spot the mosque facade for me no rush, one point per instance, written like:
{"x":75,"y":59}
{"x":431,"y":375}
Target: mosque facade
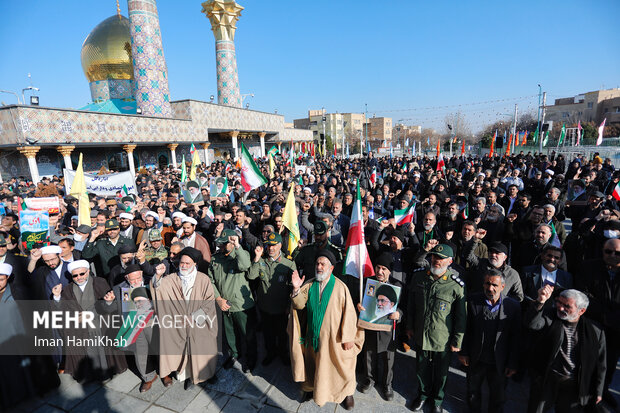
{"x":131,"y":121}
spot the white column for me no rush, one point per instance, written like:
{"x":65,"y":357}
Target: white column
{"x":30,"y":152}
{"x":65,"y":151}
{"x":129,"y":149}
{"x":234,"y":135}
{"x":173,"y":148}
{"x":205,"y":148}
{"x":261,"y":136}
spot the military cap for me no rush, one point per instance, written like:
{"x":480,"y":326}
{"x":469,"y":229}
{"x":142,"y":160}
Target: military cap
{"x":442,"y":251}
{"x":225,"y":235}
{"x":111,"y":224}
{"x":155,"y":235}
{"x":273,"y":239}
{"x":84,"y":229}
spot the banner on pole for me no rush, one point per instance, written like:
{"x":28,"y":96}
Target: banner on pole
{"x":105,"y":185}
{"x":49,"y":204}
{"x":34,"y":226}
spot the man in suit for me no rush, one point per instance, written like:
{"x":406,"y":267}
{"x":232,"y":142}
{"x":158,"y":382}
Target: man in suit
{"x":128,"y":230}
{"x":569,"y":362}
{"x":536,"y":276}
{"x":51,"y":273}
{"x":491,"y":343}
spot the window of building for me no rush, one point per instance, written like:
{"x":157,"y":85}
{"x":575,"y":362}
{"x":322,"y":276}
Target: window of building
{"x":617,"y":109}
{"x":606,"y":110}
{"x":565,"y":114}
{"x":590,"y":105}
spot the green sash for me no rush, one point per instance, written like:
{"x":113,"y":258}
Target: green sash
{"x":317,"y":305}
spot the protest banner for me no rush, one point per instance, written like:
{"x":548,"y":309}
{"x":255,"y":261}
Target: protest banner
{"x":34,"y":227}
{"x":105,"y":185}
{"x":49,"y":204}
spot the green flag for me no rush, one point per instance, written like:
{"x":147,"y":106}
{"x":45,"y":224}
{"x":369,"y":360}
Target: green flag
{"x":301,"y":181}
{"x":536,"y":135}
{"x":125,"y":190}
{"x":183,"y":170}
{"x":562,"y":135}
{"x":546,"y":139}
{"x":273,"y":151}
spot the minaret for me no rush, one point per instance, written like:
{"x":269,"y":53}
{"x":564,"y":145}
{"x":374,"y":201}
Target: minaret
{"x":149,"y":66}
{"x":223,"y":15}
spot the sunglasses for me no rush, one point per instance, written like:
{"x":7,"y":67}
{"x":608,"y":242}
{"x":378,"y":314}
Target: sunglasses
{"x":612,"y":252}
{"x":79,"y":274}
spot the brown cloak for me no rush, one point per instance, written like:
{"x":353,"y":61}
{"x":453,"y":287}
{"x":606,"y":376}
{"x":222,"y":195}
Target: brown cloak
{"x":169,"y":301}
{"x":329,"y":373}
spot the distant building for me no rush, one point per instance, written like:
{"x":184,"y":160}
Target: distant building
{"x":335,"y":125}
{"x":587,"y":107}
{"x":378,"y":130}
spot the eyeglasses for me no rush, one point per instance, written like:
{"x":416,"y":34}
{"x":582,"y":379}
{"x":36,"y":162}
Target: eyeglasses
{"x":612,"y":252}
{"x":383,"y":300}
{"x":79,"y":274}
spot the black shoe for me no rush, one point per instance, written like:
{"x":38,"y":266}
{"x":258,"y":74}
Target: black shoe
{"x":366,"y":386}
{"x":437,"y":409}
{"x":417,"y":404}
{"x":348,"y":403}
{"x":212,"y":380}
{"x":307,"y":396}
{"x":188,"y":384}
{"x":388,"y":393}
{"x":610,"y":399}
{"x":268,"y":359}
{"x":228,"y":364}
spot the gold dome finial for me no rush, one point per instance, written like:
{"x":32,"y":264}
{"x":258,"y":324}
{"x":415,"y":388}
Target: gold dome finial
{"x":118,"y":10}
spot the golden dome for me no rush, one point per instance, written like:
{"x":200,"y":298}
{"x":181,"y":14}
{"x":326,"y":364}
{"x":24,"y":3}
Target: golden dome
{"x":106,"y":52}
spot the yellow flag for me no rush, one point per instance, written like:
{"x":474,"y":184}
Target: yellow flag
{"x":272,"y":166}
{"x":78,"y":190}
{"x":289,"y":220}
{"x":195,"y":163}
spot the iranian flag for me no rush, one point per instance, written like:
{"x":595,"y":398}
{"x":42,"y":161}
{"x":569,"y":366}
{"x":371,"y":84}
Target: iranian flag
{"x":440,"y":163}
{"x":373,"y":176}
{"x":210,"y":213}
{"x":616,"y":193}
{"x":357,"y":261}
{"x":404,"y":216}
{"x":251,"y":177}
{"x":579,"y":128}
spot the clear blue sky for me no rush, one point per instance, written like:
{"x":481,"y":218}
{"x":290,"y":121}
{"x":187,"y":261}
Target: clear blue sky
{"x":300,"y":55}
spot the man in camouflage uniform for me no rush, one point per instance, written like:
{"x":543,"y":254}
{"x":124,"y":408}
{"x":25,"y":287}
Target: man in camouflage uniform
{"x":273,"y":294}
{"x":157,"y":248}
{"x":437,"y":320}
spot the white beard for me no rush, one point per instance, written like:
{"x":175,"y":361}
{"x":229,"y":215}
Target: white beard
{"x":438,"y":271}
{"x":428,"y":227}
{"x":321,"y":276}
{"x":385,"y":311}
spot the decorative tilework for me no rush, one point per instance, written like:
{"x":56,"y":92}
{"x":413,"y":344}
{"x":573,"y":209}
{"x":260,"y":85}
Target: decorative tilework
{"x":111,"y":89}
{"x":149,"y":64}
{"x":227,"y":76}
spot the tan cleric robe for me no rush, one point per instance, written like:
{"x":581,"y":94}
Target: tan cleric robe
{"x":181,"y":348}
{"x":330,"y":372}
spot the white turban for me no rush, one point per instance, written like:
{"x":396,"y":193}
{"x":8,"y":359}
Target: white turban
{"x":6,"y":269}
{"x":154,"y":215}
{"x":178,"y":214}
{"x":190,"y":220}
{"x":51,"y":249}
{"x":125,"y":215}
{"x":550,"y":172}
{"x":74,"y":265}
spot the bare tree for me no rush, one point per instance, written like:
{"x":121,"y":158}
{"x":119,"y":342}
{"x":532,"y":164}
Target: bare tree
{"x":457,"y":125}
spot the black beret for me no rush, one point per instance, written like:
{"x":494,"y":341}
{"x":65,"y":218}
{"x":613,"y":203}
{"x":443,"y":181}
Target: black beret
{"x":194,"y":254}
{"x":388,"y":292}
{"x":385,"y":260}
{"x":132,"y":268}
{"x":327,"y":254}
{"x":126,"y":249}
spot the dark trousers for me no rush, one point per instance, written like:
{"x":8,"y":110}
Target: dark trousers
{"x":371,"y":365}
{"x":240,"y":327}
{"x":274,"y":333}
{"x":432,"y":371}
{"x":145,"y":362}
{"x":557,"y":392}
{"x":497,"y":387}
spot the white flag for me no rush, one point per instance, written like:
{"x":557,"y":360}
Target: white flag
{"x":600,"y":132}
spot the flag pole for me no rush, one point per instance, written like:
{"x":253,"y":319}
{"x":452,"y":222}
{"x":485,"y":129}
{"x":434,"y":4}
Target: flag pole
{"x":361,"y":245}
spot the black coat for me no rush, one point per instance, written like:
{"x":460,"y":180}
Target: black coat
{"x":604,"y":297}
{"x":592,"y":350}
{"x":507,"y":337}
{"x":532,"y":281}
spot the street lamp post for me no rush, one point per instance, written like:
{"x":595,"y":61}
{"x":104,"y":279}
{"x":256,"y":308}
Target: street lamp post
{"x":538,"y":127}
{"x":12,"y":93}
{"x":245,"y":96}
{"x":28,"y":88}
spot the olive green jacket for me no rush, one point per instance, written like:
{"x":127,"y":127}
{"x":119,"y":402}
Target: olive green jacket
{"x":274,"y":291}
{"x":437,"y":310}
{"x":228,"y":276}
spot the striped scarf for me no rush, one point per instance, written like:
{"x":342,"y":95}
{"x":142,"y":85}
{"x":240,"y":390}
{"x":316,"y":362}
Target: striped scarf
{"x":317,"y":305}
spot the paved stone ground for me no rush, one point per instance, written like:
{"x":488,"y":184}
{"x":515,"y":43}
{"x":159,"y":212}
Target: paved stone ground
{"x":268,"y":390}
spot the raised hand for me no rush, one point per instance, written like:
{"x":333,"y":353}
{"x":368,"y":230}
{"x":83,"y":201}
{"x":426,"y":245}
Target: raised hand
{"x":544,"y":293}
{"x":258,"y":252}
{"x":109,"y":297}
{"x":296,"y":281}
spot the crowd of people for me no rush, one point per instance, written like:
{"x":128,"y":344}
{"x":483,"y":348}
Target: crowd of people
{"x":490,"y":277}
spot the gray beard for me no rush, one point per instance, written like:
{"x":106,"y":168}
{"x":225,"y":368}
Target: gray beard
{"x":438,"y":271}
{"x":321,"y":276}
